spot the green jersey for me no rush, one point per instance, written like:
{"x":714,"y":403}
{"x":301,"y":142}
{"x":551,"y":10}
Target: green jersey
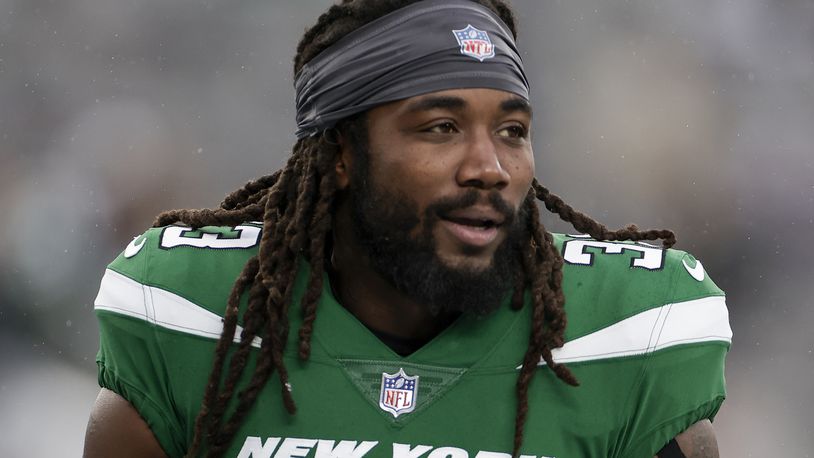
{"x":647,"y":335}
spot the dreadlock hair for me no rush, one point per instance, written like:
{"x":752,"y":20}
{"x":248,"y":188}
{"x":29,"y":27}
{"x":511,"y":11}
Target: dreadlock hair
{"x":295,"y":205}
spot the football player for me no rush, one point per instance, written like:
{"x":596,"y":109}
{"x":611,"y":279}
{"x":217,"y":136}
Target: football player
{"x":392,"y":292}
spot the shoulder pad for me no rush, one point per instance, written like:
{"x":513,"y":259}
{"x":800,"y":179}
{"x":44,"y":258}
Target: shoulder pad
{"x":605,"y":282}
{"x":200,"y":265}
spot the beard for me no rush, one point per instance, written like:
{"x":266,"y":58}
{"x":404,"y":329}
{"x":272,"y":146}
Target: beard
{"x":401,"y":247}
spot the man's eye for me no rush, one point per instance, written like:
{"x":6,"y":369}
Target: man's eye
{"x":443,"y":128}
{"x":513,"y":132}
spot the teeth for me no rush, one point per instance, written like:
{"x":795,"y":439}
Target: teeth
{"x":482,"y":224}
{"x":476,"y":223}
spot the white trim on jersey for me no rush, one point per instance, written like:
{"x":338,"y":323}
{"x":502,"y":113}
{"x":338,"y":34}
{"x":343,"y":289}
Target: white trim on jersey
{"x":125,"y":296}
{"x":694,"y":321}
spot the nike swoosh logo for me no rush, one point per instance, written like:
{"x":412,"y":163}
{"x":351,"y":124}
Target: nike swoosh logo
{"x":133,"y":248}
{"x":696,"y":272}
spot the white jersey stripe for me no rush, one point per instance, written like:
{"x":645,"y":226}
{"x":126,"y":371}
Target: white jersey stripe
{"x":698,"y":320}
{"x":122,"y":295}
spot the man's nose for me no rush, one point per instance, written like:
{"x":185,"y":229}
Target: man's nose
{"x":480,"y":166}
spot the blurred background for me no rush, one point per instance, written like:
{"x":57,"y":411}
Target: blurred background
{"x":690,"y":114}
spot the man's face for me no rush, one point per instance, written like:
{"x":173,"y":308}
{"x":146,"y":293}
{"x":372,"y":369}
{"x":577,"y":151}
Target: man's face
{"x":437,"y":195}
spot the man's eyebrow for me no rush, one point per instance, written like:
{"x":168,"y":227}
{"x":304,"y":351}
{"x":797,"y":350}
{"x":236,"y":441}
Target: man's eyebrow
{"x":516,"y":104}
{"x":436,"y":102}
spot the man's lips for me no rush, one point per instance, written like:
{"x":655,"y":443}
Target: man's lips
{"x":479,"y":236}
{"x":475,"y":226}
{"x":476,"y":216}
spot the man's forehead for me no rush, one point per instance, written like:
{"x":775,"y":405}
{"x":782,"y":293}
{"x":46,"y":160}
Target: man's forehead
{"x":460,"y":99}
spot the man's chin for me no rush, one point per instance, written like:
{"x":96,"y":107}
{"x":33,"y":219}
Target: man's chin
{"x":465,"y":263}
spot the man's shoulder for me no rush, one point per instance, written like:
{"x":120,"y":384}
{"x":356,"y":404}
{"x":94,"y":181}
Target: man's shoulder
{"x":607,"y":282}
{"x":199,"y":265}
{"x":159,"y":308}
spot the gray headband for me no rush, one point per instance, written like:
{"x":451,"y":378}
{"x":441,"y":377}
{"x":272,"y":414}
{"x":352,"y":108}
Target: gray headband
{"x":429,"y":46}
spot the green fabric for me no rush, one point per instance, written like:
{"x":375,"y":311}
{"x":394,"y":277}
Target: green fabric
{"x":625,"y":407}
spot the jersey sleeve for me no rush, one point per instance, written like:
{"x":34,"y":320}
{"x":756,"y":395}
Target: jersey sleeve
{"x":683,"y":377}
{"x":130,"y":361}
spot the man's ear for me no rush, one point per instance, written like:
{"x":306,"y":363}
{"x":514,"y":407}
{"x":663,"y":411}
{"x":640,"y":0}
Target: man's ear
{"x":343,"y":161}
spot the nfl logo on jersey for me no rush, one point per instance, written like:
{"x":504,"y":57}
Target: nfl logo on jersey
{"x":474,"y":43}
{"x":398,"y":394}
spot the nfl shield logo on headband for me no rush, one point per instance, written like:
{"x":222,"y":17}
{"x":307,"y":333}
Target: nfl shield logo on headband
{"x":474,"y":43}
